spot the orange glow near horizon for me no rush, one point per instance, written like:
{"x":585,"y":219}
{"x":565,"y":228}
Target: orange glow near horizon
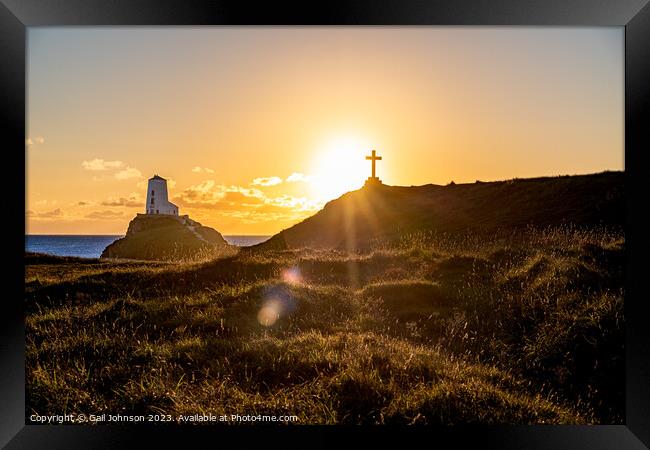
{"x":257,"y":128}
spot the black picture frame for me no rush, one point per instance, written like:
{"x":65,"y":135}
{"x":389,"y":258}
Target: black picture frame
{"x":634,"y":15}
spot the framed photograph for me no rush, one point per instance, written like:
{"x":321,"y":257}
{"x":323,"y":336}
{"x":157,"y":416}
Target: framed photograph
{"x":267,"y":221}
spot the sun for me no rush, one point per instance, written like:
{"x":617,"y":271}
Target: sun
{"x":338,"y":168}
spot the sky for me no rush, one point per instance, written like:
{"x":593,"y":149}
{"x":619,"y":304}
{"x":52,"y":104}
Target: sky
{"x":257,"y":127}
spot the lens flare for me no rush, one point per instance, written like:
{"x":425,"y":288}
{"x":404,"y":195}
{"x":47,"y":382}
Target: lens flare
{"x":270,"y":312}
{"x":292,"y":275}
{"x":277,"y":302}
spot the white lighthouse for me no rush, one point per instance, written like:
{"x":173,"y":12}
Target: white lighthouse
{"x":157,"y":201}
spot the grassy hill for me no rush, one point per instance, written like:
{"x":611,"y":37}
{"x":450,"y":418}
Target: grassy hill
{"x":522,"y":327}
{"x":164,"y":237}
{"x":359,"y":218}
{"x":483,"y":303}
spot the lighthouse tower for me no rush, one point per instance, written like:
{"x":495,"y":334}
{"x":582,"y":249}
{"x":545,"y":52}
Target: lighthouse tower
{"x":157,"y":201}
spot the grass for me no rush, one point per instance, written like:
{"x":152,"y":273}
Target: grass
{"x":517,"y":327}
{"x":169,"y":238}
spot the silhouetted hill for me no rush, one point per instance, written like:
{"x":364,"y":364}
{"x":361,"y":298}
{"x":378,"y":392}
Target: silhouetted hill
{"x":386,"y":212}
{"x":164,"y":237}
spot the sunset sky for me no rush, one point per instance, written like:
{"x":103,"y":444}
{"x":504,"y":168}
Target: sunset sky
{"x":257,"y":127}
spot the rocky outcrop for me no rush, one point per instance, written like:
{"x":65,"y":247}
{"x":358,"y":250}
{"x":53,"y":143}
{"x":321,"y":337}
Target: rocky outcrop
{"x":169,"y":238}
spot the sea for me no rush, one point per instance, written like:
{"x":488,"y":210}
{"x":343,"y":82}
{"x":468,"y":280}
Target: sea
{"x":88,"y":246}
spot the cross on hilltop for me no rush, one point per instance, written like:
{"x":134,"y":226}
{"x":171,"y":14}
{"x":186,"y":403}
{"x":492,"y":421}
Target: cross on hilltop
{"x":373,"y":180}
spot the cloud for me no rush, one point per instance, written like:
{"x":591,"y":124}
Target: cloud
{"x":99,"y":164}
{"x":133,"y":200}
{"x":29,"y":142}
{"x":237,"y":201}
{"x":246,"y":205}
{"x":54,"y":214}
{"x":256,"y":193}
{"x":205,"y":194}
{"x":266,"y":181}
{"x":294,"y":203}
{"x":198,"y":169}
{"x":127,"y":173}
{"x":105,"y":215}
{"x":297,"y":177}
{"x":209,"y":194}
